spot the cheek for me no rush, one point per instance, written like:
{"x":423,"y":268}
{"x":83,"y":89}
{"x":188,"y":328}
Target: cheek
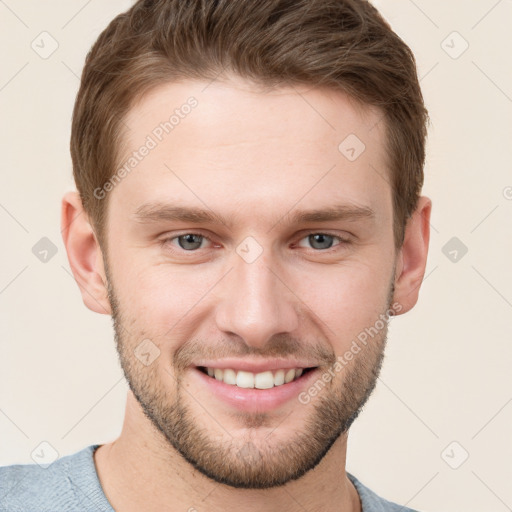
{"x":341,"y":299}
{"x":346,"y":298}
{"x":158,"y":297}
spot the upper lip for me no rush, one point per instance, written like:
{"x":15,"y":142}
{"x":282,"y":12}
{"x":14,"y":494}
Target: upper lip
{"x":255,"y":366}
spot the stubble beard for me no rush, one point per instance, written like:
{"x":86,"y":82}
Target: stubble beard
{"x":251,"y":460}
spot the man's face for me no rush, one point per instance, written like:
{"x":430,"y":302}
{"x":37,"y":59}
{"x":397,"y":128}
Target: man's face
{"x":260,"y":286}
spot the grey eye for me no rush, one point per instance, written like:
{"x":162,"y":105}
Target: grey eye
{"x":321,"y":241}
{"x":190,"y":241}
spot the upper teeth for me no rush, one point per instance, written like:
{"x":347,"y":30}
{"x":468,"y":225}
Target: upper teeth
{"x":263,"y":380}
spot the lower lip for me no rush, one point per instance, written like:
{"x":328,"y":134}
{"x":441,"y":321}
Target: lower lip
{"x":253,"y":400}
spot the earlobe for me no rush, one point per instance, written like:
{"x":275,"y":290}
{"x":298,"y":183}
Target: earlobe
{"x":84,"y":254}
{"x":412,"y":258}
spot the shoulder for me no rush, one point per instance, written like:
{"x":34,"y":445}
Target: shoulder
{"x":68,"y":484}
{"x":371,"y":502}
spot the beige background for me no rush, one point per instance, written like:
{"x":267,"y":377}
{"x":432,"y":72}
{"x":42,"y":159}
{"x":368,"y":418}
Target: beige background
{"x":446,"y":376}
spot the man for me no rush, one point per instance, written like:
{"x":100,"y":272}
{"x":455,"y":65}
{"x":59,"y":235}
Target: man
{"x":249,"y":213}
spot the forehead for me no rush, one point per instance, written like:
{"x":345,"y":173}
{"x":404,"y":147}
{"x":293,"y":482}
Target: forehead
{"x":237,"y":149}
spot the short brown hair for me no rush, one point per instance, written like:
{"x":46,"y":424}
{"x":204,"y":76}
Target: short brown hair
{"x":342,"y":44}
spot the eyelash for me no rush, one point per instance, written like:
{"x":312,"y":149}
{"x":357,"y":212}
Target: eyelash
{"x":342,"y":241}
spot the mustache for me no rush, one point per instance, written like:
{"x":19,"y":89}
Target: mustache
{"x":280,"y":346}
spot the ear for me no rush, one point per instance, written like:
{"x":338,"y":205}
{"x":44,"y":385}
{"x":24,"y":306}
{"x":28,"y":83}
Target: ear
{"x":84,"y":254}
{"x":412,"y":258}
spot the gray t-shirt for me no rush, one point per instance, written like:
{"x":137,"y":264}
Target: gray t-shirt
{"x":71,"y":484}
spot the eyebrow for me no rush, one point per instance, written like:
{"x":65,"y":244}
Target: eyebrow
{"x":161,"y":212}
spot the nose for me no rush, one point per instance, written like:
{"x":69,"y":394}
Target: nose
{"x":256,"y":303}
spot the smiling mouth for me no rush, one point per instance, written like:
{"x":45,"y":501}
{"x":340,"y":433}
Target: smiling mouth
{"x":249,"y":380}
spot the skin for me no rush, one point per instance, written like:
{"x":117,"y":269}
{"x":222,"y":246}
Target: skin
{"x":252,"y":156}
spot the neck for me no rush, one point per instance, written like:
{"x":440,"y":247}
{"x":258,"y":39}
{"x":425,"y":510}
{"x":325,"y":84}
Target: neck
{"x":142,"y":471}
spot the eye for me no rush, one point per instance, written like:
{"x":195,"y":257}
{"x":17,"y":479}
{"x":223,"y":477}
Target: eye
{"x":187,"y":241}
{"x":191,"y":242}
{"x":323,"y":241}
